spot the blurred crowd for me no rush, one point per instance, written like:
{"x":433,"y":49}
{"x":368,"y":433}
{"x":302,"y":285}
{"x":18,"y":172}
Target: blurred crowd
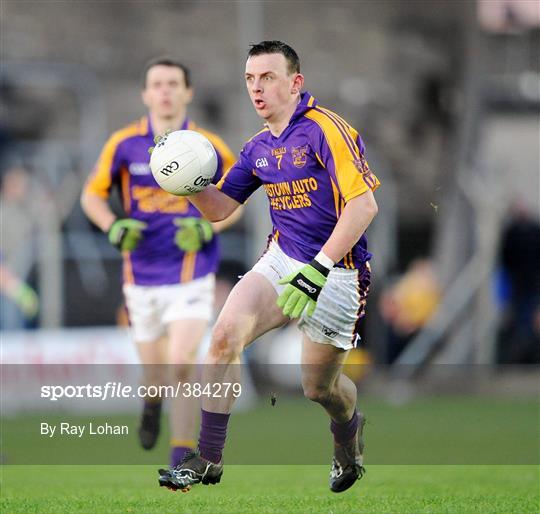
{"x":518,"y":288}
{"x":19,"y":303}
{"x":407,"y":305}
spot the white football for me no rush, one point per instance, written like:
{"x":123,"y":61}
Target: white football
{"x":183,"y":162}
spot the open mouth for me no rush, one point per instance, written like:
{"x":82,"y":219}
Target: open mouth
{"x":259,"y":104}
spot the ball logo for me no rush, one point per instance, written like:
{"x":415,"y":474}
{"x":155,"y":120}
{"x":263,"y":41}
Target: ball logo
{"x":184,"y":162}
{"x":201,"y":181}
{"x":169,"y":168}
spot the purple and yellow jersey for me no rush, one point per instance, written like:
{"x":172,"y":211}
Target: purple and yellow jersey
{"x":124,"y":163}
{"x":309,"y":173}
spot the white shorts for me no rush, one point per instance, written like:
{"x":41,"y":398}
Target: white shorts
{"x":151,"y":308}
{"x":341,"y":304}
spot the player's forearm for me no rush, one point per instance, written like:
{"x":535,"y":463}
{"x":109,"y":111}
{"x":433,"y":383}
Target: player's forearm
{"x":98,"y":211}
{"x":213,"y":204}
{"x":220,"y":226}
{"x":353,"y":222}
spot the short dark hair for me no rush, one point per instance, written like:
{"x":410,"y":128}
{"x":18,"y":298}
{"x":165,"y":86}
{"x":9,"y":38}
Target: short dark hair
{"x":165,"y":60}
{"x":277,"y":47}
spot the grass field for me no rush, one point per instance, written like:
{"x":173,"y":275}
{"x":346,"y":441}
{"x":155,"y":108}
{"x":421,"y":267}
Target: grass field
{"x":439,"y":455}
{"x":273,"y":489}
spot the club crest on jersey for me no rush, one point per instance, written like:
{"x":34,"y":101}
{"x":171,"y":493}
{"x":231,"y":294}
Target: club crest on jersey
{"x":299,"y":155}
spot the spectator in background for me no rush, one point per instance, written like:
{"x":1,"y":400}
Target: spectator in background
{"x":409,"y":304}
{"x":18,"y":220}
{"x":18,"y":228}
{"x":20,"y":293}
{"x":519,"y":331}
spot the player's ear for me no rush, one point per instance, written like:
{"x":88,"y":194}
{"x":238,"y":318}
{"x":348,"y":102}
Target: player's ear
{"x":298,"y":83}
{"x":189,"y":95}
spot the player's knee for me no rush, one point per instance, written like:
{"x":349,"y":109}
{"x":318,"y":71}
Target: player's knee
{"x":154,"y":374}
{"x":182,"y":372}
{"x":226,"y":342}
{"x":319,"y":393}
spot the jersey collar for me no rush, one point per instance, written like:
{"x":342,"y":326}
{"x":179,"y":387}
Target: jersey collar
{"x":307,"y":102}
{"x":150,"y":131}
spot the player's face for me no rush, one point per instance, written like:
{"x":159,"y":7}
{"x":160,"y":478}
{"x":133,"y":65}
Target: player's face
{"x":272,"y":89}
{"x":165,"y":93}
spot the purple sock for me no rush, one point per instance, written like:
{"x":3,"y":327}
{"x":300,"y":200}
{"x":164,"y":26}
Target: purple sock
{"x":213,"y":434}
{"x":177,"y":454}
{"x":344,"y":432}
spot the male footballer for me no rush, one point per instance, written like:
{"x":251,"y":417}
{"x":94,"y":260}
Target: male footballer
{"x":320,"y":189}
{"x":170,"y":251}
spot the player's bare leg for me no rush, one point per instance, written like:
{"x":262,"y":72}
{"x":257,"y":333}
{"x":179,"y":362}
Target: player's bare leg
{"x":324,"y":382}
{"x":152,"y":356}
{"x":249,"y":312}
{"x":185,"y":337}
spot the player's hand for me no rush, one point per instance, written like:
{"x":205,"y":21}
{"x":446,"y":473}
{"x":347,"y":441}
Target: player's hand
{"x":27,"y":300}
{"x":157,"y":139}
{"x":192,"y":233}
{"x":303,"y":288}
{"x":125,"y":233}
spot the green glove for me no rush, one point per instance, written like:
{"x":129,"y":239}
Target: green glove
{"x":27,"y":300}
{"x":304,"y":287}
{"x":125,"y":233}
{"x":192,"y":233}
{"x":157,"y":139}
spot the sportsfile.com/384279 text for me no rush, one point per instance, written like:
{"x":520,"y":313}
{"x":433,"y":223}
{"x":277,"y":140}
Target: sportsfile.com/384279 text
{"x":112,"y":390}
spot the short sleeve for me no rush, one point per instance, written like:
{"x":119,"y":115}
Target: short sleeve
{"x":341,"y":152}
{"x":240,"y":181}
{"x":106,"y":170}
